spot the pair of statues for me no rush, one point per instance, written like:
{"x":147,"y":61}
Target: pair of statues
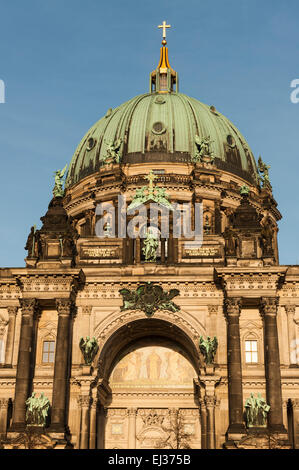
{"x":256,"y":410}
{"x":37,"y":410}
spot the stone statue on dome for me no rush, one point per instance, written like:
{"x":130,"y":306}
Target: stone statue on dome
{"x":58,"y":190}
{"x":203,"y":150}
{"x":113,"y":152}
{"x":264,"y":174}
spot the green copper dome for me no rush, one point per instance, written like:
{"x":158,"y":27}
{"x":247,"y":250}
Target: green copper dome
{"x":157,"y":127}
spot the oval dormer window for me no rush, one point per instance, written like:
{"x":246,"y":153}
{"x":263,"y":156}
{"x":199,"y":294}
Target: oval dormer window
{"x":158,"y":128}
{"x":90,"y":143}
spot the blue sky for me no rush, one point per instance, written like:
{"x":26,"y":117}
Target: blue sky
{"x":64,"y":63}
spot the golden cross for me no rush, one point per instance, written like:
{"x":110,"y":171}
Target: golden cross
{"x":151,"y":178}
{"x":164,"y":26}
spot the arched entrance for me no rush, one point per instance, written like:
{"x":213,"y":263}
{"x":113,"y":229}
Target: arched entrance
{"x":151,"y":376}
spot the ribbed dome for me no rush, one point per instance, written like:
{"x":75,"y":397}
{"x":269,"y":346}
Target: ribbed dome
{"x":162,"y":127}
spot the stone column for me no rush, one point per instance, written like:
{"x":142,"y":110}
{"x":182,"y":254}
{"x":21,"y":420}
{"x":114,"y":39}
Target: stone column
{"x":3,"y":416}
{"x":26,"y":361}
{"x":234,"y":367}
{"x":213,"y":312}
{"x":78,"y":425}
{"x":61,"y":367}
{"x":132,"y":427}
{"x":138,"y":250}
{"x":101,"y":425}
{"x":93,"y":424}
{"x":203,"y":419}
{"x":10,"y":338}
{"x":84,"y":438}
{"x":210,"y":406}
{"x":290,"y":311}
{"x":268,"y":311}
{"x":295,"y":403}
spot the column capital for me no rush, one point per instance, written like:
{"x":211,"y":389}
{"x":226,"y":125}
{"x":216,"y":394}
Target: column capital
{"x":85,"y":401}
{"x":210,"y":400}
{"x":29,"y":306}
{"x":173,"y":411}
{"x":65,"y":307}
{"x":268,"y":306}
{"x":12,"y":311}
{"x":202,"y":403}
{"x":131,"y":411}
{"x":213,"y":309}
{"x":290,"y":309}
{"x":4,"y":403}
{"x":232,"y":306}
{"x":295,"y":403}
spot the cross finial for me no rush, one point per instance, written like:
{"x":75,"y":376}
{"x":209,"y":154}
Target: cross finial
{"x":151,"y":178}
{"x":164,"y":26}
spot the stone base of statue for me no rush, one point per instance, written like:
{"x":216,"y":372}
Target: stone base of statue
{"x":66,"y":261}
{"x":209,"y":369}
{"x":32,"y":437}
{"x":231,"y":261}
{"x":234,"y":434}
{"x":258,"y":438}
{"x":87,"y":370}
{"x":30,"y":262}
{"x":268,"y":261}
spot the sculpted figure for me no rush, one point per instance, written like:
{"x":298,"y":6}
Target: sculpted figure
{"x":89,"y":349}
{"x":37,"y":410}
{"x":32,"y":244}
{"x":149,"y":249}
{"x":203,"y":149}
{"x":256,"y":410}
{"x":230,"y":242}
{"x":264,"y":173}
{"x":267,"y":239}
{"x":208,"y":348}
{"x":58,"y":190}
{"x":113,"y":152}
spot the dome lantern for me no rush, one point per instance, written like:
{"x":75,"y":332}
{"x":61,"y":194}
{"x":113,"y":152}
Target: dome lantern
{"x":164,"y":79}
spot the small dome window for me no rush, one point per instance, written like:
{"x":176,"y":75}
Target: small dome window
{"x":160,"y":100}
{"x":158,"y":128}
{"x":91,"y":143}
{"x":231,"y":141}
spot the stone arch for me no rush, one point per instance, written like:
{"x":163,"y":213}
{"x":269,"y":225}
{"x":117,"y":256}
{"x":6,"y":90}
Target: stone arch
{"x":134,"y":326}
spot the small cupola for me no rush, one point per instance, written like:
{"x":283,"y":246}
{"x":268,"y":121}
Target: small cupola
{"x":164,"y":79}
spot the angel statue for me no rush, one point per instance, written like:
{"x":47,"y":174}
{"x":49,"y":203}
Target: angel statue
{"x":208,"y":348}
{"x":58,"y":190}
{"x":264,"y":172}
{"x":203,"y":149}
{"x":113,"y":155}
{"x":89,"y":349}
{"x":151,"y":244}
